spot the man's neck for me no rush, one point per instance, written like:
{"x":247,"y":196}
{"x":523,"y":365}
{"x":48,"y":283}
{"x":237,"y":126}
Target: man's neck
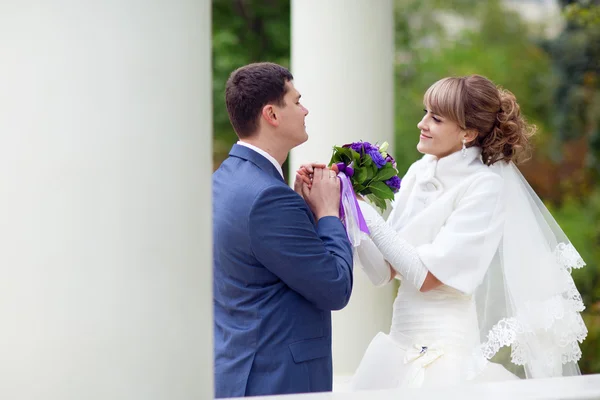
{"x":278,"y":155}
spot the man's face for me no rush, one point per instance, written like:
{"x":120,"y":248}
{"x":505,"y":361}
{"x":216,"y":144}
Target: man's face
{"x":292,"y":127}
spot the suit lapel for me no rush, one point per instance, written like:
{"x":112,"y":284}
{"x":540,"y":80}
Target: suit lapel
{"x":261,"y":162}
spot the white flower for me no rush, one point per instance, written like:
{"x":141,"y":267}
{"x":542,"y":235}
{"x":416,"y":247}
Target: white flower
{"x":383,"y":148}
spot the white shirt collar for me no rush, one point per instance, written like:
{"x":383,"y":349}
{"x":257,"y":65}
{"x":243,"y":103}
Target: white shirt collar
{"x":264,"y":154}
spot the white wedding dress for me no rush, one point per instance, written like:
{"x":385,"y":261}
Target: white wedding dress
{"x":478,"y":230}
{"x":430,"y":343}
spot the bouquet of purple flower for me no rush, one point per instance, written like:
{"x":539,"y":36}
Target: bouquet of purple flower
{"x":367,"y":170}
{"x":370,"y":169}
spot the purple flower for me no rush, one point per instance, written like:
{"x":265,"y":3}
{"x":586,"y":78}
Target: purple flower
{"x":393,"y":183}
{"x":359,"y":147}
{"x":391,"y":159}
{"x":377,"y":157}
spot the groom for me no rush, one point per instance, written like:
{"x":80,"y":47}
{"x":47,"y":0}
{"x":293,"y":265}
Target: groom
{"x":282,"y":260}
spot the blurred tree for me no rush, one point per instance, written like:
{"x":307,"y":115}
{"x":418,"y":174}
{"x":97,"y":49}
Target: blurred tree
{"x":244,"y":31}
{"x":575,"y":56}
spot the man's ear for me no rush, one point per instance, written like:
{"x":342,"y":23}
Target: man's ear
{"x":269,"y":115}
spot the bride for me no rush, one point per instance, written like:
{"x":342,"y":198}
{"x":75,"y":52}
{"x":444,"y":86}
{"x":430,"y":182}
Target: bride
{"x":484,"y":267}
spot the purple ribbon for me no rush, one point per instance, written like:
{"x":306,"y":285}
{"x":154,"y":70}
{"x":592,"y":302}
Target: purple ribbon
{"x":347,"y":169}
{"x":347,"y":192}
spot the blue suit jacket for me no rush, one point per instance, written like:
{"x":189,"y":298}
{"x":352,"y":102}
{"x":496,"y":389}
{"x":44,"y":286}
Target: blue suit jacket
{"x":277,"y":276}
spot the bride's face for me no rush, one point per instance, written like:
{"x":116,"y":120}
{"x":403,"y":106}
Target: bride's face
{"x":439,"y":135}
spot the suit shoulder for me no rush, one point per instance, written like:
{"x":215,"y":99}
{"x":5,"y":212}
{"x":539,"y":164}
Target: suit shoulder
{"x":280,"y":195}
{"x":242,"y":177}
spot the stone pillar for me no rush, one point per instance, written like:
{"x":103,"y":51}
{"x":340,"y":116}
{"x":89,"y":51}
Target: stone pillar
{"x":105,"y":223}
{"x":343,"y":64}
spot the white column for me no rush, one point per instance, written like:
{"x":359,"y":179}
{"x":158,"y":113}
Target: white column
{"x":342,"y":62}
{"x":105,"y":165}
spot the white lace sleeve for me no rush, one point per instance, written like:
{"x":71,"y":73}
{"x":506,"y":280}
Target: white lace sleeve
{"x":401,"y":255}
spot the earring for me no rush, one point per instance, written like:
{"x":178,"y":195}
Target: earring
{"x":464,"y":148}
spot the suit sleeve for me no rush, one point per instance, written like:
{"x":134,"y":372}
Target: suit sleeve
{"x":317,"y":264}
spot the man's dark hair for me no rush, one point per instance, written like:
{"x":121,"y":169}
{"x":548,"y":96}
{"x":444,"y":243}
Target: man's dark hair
{"x":249,"y":89}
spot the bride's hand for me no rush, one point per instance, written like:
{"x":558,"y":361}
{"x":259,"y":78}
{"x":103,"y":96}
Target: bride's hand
{"x":299,"y":182}
{"x":305,"y":173}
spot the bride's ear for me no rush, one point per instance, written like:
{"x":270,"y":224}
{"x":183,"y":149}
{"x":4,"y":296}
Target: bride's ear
{"x":470,"y":135}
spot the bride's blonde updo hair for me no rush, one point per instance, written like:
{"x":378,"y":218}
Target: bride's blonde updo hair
{"x":475,"y":103}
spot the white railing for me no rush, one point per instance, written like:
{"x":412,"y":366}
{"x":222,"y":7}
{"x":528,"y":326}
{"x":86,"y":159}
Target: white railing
{"x":570,"y":388}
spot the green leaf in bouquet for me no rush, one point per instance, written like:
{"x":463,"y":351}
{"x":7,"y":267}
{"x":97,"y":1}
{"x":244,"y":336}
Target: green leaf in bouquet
{"x":342,"y":150}
{"x":335,"y":158}
{"x":367,"y":162}
{"x":371,"y":171}
{"x":358,"y":188}
{"x":360,"y":174}
{"x":380,"y":203}
{"x":385,"y":173}
{"x":340,"y":154}
{"x":381,"y":190}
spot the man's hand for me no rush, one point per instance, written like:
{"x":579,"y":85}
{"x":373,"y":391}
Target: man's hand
{"x":323,"y":197}
{"x":305,"y":175}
